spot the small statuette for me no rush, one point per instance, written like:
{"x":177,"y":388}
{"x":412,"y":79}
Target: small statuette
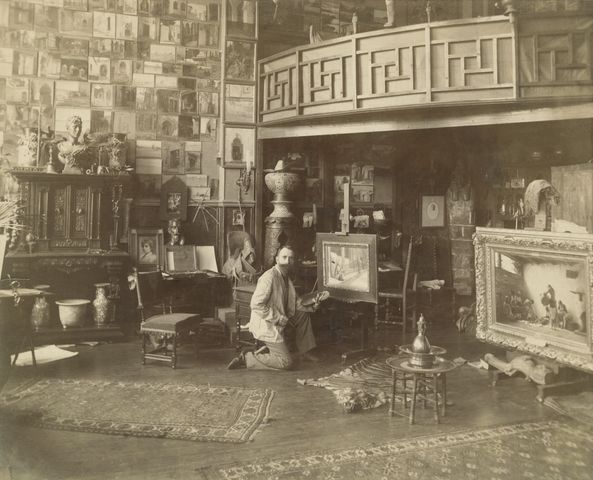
{"x":102,"y":305}
{"x":420,"y":343}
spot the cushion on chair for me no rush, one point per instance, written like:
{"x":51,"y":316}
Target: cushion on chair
{"x":168,"y":323}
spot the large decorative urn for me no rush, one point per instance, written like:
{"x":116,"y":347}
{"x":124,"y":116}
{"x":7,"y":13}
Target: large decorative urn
{"x":281,"y":223}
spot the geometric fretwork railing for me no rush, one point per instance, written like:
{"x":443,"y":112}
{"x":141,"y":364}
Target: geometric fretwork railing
{"x":454,"y":61}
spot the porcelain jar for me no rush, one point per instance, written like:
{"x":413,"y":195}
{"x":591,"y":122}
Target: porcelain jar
{"x":102,"y":305}
{"x":40,"y":314}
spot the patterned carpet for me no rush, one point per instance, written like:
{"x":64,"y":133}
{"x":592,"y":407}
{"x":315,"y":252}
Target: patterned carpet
{"x":178,"y":411}
{"x":547,"y":450}
{"x":578,"y":406}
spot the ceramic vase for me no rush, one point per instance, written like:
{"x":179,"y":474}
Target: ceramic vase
{"x":40,"y":314}
{"x":101,"y":305}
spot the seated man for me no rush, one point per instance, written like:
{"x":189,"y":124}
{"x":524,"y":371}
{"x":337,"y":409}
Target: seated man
{"x":274,"y":306}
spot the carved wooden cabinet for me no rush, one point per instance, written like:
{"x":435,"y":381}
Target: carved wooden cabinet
{"x":71,"y":219}
{"x":67,"y":212}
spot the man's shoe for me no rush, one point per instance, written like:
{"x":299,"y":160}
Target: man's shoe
{"x":237,"y":363}
{"x":310,"y":357}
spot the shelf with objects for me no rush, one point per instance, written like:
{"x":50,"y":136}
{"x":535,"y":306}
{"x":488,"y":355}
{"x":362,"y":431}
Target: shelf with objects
{"x":75,"y":223}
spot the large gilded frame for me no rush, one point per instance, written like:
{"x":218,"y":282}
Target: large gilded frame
{"x":563,"y":251}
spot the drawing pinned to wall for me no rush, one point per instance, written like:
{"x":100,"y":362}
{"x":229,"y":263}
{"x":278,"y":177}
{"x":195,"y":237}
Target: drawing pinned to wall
{"x":240,"y":60}
{"x":193,"y":157}
{"x":208,"y":128}
{"x":239,"y":145}
{"x":241,"y":15}
{"x":173,"y":158}
{"x":239,"y":103}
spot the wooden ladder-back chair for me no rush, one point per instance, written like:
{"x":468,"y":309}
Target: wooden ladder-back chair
{"x":399,"y":302}
{"x":160,"y":327}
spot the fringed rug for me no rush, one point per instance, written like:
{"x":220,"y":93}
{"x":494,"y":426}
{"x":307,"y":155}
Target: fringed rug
{"x":579,"y":406}
{"x":363,"y":385}
{"x":549,"y":450}
{"x":178,"y":411}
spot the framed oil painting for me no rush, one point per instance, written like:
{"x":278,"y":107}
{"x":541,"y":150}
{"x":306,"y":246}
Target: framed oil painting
{"x":347,"y":266}
{"x":533,"y":293}
{"x":147,"y":248}
{"x":432,"y":212}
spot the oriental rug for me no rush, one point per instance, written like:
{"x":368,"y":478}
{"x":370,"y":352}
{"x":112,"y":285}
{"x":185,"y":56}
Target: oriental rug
{"x":176,"y":411}
{"x":546,"y":450}
{"x":578,"y":406}
{"x":363,"y":385}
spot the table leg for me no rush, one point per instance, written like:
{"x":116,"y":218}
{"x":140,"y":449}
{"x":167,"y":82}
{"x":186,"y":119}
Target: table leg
{"x":424,"y":392}
{"x":413,"y":405}
{"x":405,"y":384}
{"x":393,"y":391}
{"x":435,"y":388}
{"x":444,"y":387}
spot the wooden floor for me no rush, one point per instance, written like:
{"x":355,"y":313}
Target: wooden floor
{"x":302,"y":418}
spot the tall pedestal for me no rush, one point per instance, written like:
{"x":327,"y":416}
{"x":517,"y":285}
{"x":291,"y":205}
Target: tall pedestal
{"x":281,"y":223}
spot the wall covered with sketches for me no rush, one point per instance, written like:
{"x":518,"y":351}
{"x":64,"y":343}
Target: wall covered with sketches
{"x":149,"y":69}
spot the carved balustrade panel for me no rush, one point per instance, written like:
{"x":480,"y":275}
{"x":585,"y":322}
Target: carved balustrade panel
{"x":279,"y":94}
{"x":556,"y":59}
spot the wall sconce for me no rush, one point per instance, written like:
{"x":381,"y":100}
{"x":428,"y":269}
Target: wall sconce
{"x":244,"y":180}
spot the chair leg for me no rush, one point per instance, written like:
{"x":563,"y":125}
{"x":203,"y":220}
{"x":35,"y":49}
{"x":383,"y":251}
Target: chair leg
{"x":174,"y":353}
{"x":143,"y":348}
{"x":404,"y":315}
{"x":377,"y":315}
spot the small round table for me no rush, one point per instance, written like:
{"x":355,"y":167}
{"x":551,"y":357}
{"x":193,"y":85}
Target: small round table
{"x":425,"y":382}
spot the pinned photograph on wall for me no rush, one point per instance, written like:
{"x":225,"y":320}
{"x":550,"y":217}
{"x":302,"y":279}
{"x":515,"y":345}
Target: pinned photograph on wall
{"x":146,"y":125}
{"x":208,"y":103}
{"x":46,"y":18}
{"x":362,"y":193}
{"x":189,"y":33}
{"x":76,"y":23}
{"x":239,"y":103}
{"x":239,"y":217}
{"x":197,"y":10}
{"x":148,"y":149}
{"x":100,"y":47}
{"x":172,"y":154}
{"x":73,"y":93}
{"x":188,"y":102}
{"x":104,"y":24}
{"x":102,"y":95}
{"x":125,"y":122}
{"x":162,"y":53}
{"x":143,"y":80}
{"x":99,"y":69}
{"x":49,"y":65}
{"x":239,"y":145}
{"x":125,"y":97}
{"x":75,"y":47}
{"x":76,"y":4}
{"x":196,"y":180}
{"x":149,"y":186}
{"x":74,"y":69}
{"x":193,"y":158}
{"x":208,"y":35}
{"x":167,"y":126}
{"x":24,"y":63}
{"x":199,"y":194}
{"x":130,"y":49}
{"x":127,"y":27}
{"x":121,"y":71}
{"x":170,"y":32}
{"x":17,"y":90}
{"x":145,"y":99}
{"x":240,"y":18}
{"x":189,"y":127}
{"x":143,"y":7}
{"x":118,"y":49}
{"x":168,"y":101}
{"x":164,"y":82}
{"x":130,"y":7}
{"x":208,"y":128}
{"x":240,"y":60}
{"x":42,"y":91}
{"x":362,"y":174}
{"x":101,"y":121}
{"x":147,"y":28}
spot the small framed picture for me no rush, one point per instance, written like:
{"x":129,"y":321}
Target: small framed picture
{"x":173,"y":199}
{"x":239,"y":146}
{"x":432,"y":212}
{"x":147,"y":248}
{"x":240,"y":60}
{"x":241,"y":17}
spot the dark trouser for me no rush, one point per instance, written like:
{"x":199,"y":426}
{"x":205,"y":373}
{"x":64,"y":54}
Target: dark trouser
{"x":278,"y":356}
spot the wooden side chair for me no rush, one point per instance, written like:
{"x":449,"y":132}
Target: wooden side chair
{"x":399,"y":302}
{"x":161,"y":330}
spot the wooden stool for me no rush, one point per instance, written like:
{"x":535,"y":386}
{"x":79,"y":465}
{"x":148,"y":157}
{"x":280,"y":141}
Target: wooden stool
{"x":170,"y":326}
